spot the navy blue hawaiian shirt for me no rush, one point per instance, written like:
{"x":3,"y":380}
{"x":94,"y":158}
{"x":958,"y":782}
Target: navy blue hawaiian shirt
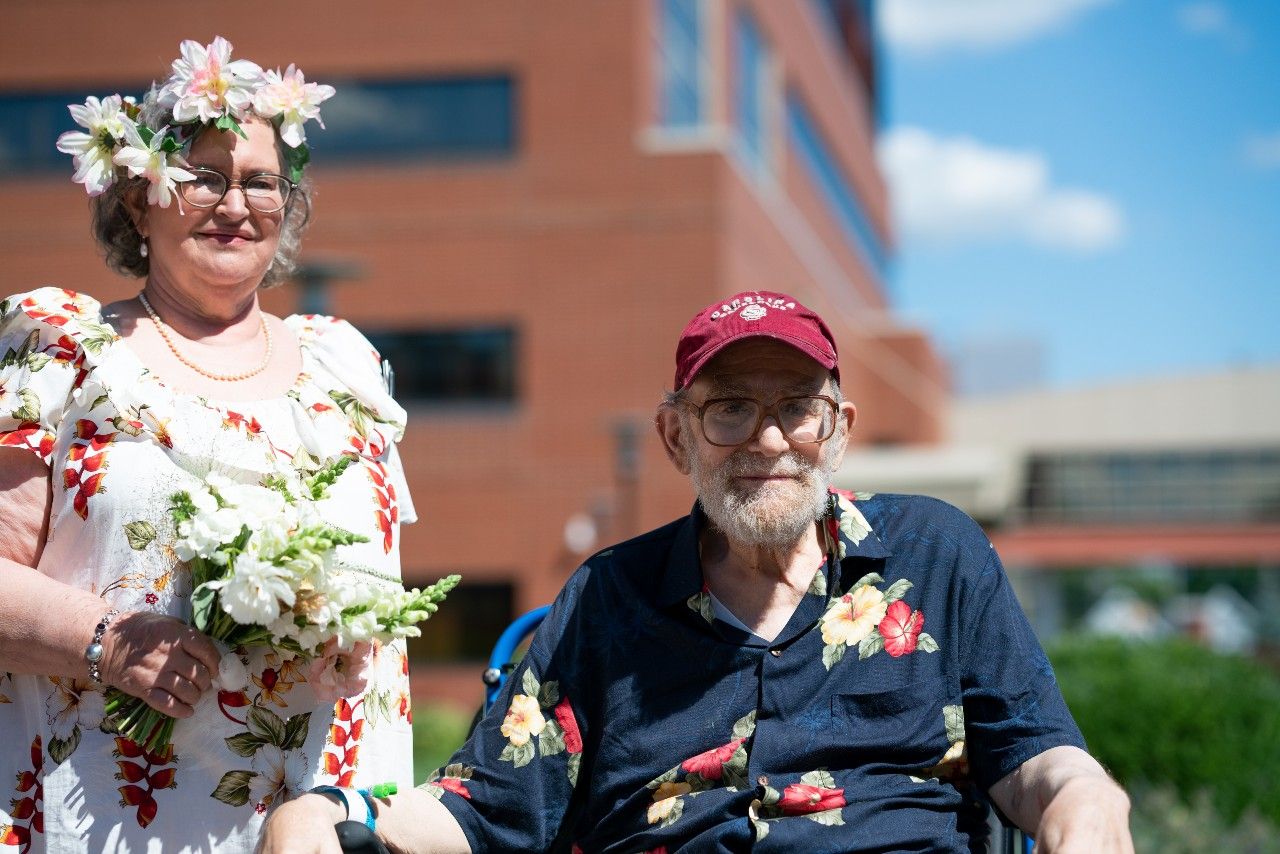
{"x":907,"y":681}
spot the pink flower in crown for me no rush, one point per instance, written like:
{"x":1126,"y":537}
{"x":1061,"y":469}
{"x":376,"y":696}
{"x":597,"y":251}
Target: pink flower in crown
{"x":293,"y":99}
{"x":206,"y":83}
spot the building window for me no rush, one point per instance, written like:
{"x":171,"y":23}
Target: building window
{"x":681,"y":35}
{"x":826,"y":174}
{"x":446,"y":118}
{"x":751,"y":93}
{"x":1234,"y":486}
{"x":451,"y":366}
{"x":467,"y":624}
{"x":368,"y":120}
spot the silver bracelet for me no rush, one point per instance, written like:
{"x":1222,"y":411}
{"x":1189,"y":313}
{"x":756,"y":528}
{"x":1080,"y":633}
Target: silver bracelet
{"x":93,"y":652}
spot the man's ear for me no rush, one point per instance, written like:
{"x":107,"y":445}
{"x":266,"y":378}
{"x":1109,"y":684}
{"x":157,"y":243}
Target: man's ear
{"x":674,"y":439}
{"x":844,"y":429}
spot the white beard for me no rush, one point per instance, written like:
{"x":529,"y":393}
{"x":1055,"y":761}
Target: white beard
{"x":774,"y":515}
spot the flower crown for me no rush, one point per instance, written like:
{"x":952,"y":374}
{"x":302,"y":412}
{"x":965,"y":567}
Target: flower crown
{"x":206,"y":88}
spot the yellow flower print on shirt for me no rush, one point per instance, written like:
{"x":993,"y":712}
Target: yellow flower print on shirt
{"x":524,"y":719}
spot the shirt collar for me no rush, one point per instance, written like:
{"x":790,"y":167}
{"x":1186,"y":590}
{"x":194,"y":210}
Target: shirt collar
{"x":683,"y":577}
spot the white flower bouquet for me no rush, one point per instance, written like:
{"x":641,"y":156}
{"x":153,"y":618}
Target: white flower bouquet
{"x":262,"y":566}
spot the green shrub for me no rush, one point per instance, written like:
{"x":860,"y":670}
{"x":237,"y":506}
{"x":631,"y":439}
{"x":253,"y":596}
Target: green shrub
{"x":438,"y":730}
{"x":1161,"y":821}
{"x":1173,"y":714}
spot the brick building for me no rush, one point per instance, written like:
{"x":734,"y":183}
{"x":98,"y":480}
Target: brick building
{"x":521,"y":203}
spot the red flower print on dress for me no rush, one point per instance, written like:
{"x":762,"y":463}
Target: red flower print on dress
{"x":236,"y":421}
{"x":86,"y":464}
{"x":386,"y":512}
{"x":143,"y":778}
{"x":342,"y":748}
{"x":29,"y":807}
{"x":29,"y":435}
{"x":900,"y":628}
{"x":801,"y":798}
{"x":710,"y":764}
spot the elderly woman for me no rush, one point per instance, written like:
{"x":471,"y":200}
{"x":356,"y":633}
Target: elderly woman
{"x":107,"y":411}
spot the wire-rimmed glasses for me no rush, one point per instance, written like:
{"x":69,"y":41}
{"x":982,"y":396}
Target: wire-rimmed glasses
{"x":731,"y":421}
{"x":265,"y":192}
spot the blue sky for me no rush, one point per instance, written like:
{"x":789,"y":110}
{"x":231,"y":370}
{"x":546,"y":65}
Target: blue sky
{"x":1101,"y":175}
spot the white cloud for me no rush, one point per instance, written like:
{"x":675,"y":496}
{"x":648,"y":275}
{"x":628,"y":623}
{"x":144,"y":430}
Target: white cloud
{"x":1263,"y":150}
{"x":958,"y":190}
{"x":931,"y":25}
{"x":1211,"y":19}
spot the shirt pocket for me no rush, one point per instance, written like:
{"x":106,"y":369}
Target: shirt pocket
{"x":903,"y":726}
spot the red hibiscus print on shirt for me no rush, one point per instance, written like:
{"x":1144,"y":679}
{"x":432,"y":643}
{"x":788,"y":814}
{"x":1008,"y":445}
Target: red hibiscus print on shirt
{"x":900,"y":628}
{"x":801,"y":798}
{"x":568,"y":723}
{"x":710,"y":764}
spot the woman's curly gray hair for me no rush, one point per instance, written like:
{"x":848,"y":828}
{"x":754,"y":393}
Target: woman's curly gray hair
{"x":121,"y":244}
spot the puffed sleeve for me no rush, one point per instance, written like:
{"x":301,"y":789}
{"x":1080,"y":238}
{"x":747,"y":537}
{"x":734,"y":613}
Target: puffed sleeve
{"x":358,"y":389}
{"x":510,"y":785}
{"x":43,"y":360}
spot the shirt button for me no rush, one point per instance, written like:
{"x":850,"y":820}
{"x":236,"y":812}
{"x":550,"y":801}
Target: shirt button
{"x":775,"y":652}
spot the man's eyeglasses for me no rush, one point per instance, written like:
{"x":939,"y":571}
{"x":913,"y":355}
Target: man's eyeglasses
{"x":731,"y":421}
{"x":265,"y":192}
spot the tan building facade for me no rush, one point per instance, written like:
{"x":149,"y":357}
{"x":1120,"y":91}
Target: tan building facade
{"x":551,"y":188}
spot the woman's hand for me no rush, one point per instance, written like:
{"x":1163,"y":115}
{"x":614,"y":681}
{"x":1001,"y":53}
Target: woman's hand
{"x":303,"y":825}
{"x":160,"y":660}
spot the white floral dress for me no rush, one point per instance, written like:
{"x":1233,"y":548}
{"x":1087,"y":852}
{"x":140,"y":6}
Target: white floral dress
{"x":120,"y":443}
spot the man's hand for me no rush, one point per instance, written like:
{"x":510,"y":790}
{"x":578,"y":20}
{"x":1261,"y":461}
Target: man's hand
{"x":303,"y":826}
{"x":1065,"y":799}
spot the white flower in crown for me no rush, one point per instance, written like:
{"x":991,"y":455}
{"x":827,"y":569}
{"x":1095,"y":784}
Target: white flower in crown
{"x":206,"y":83}
{"x":92,"y":152}
{"x":161,"y":167}
{"x":293,"y":99}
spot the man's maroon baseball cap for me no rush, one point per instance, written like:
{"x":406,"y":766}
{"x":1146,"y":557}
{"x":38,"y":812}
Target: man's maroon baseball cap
{"x":753,"y":314}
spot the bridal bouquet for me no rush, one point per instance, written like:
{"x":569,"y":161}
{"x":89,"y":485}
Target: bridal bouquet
{"x":263,"y":575}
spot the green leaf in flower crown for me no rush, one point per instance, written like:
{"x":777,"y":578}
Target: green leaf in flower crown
{"x":170,"y":145}
{"x":140,"y":534}
{"x":146,"y":133}
{"x":226,"y":122}
{"x":244,"y":744}
{"x":233,"y":788}
{"x":267,"y":725}
{"x":202,"y":601}
{"x":295,"y":731}
{"x":296,"y":159}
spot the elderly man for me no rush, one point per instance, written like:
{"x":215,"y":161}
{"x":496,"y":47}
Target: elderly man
{"x":788,"y":668}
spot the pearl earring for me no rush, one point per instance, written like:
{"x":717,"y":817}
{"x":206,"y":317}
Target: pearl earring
{"x":142,"y":250}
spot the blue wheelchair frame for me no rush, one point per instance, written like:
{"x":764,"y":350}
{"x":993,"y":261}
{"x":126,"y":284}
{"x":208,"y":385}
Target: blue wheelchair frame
{"x":1004,"y":839}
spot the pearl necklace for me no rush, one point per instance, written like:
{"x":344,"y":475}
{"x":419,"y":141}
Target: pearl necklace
{"x":225,"y":378}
